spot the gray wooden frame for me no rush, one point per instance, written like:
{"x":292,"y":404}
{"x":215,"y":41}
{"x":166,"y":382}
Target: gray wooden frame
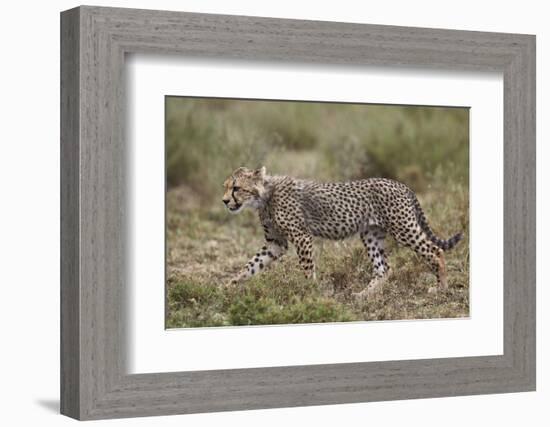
{"x":94,"y":41}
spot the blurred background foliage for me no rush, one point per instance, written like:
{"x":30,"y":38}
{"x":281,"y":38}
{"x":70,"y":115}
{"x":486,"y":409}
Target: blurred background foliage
{"x":208,"y":138}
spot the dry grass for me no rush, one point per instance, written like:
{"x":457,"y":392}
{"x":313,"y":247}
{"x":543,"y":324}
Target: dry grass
{"x":208,"y":246}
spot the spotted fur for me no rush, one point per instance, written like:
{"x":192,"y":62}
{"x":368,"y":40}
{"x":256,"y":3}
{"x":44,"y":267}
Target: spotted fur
{"x":296,"y":210}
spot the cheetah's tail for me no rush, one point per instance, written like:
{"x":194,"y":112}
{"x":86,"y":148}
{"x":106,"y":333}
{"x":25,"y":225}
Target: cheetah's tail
{"x":447,"y":244}
{"x":421,"y":218}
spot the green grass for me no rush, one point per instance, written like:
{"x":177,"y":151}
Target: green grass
{"x":427,"y":148}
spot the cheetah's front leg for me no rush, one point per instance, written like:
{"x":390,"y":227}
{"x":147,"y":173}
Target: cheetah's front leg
{"x":259,"y":262}
{"x":304,"y":249}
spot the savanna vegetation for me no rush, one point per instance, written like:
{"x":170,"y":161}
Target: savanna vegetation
{"x":427,"y":148}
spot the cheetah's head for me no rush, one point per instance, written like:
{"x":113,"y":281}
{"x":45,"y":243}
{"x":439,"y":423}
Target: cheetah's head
{"x":244,"y":187}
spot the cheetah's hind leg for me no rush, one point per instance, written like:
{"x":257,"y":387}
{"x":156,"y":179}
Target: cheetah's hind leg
{"x":440,"y":270}
{"x":373,"y":239}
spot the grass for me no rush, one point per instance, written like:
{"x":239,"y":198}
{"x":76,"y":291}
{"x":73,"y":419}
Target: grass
{"x":207,"y":248}
{"x":427,"y":148}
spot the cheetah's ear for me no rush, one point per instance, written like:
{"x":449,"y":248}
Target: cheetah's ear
{"x":260,"y":173}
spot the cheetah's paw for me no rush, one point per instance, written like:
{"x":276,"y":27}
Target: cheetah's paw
{"x":372,"y":289}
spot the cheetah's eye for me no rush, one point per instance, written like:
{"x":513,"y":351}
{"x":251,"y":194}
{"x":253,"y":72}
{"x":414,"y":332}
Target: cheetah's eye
{"x":236,"y":188}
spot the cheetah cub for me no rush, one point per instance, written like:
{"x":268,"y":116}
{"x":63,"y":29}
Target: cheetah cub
{"x":296,"y":210}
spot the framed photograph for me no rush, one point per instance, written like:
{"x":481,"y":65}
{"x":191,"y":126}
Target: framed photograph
{"x":261,"y":213}
{"x":334,"y":145}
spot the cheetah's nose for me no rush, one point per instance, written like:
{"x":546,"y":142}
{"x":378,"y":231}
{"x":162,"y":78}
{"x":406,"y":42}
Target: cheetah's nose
{"x":226,"y":201}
